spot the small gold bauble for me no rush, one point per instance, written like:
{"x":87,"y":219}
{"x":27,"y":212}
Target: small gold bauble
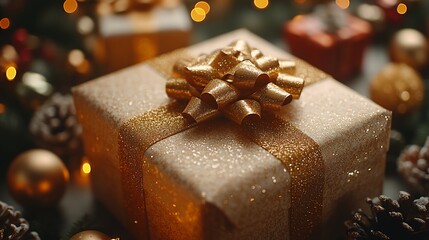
{"x":90,"y":235}
{"x":409,"y":46}
{"x":397,"y":87}
{"x":37,"y":178}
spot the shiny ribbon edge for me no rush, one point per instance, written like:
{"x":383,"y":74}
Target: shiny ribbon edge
{"x":132,"y":151}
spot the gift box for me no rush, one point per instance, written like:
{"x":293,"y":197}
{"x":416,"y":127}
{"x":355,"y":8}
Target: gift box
{"x":135,"y":35}
{"x":336,"y":48}
{"x":294,"y":174}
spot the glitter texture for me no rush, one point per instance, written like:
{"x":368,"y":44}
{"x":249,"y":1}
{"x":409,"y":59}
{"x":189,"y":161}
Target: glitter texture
{"x":302,"y":157}
{"x":211,"y":180}
{"x":135,"y":136}
{"x":228,"y":78}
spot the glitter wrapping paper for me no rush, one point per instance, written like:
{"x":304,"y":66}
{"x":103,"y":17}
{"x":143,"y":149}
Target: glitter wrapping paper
{"x":211,"y":181}
{"x":140,"y":34}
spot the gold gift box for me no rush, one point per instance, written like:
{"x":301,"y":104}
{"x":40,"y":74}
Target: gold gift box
{"x":127,"y":38}
{"x":211,"y":181}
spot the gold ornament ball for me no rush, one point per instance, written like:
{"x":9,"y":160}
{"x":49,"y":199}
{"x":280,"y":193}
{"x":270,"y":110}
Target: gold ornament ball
{"x":409,"y":46}
{"x":90,"y":235}
{"x":37,"y":178}
{"x":398,"y":87}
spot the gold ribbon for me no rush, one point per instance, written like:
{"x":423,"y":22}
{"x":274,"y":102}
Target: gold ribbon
{"x":237,"y":81}
{"x":299,"y":153}
{"x":135,"y":137}
{"x":302,"y":158}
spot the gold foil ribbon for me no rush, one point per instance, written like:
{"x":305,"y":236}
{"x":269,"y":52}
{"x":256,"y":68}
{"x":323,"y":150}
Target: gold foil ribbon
{"x":135,"y":137}
{"x":237,"y":81}
{"x":300,"y":155}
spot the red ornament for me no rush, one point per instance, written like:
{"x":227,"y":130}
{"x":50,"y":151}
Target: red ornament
{"x":19,"y":38}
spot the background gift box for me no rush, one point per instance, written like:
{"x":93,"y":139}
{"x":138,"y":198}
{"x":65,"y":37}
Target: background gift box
{"x":331,"y":39}
{"x":135,"y":34}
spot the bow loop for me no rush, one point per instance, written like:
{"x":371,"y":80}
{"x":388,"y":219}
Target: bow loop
{"x":219,"y":93}
{"x":291,"y":84}
{"x":178,"y":88}
{"x":242,"y":49}
{"x":199,"y":111}
{"x":242,"y":111}
{"x":199,"y":75}
{"x":246,"y":76}
{"x":223,"y":62}
{"x":272,"y":97}
{"x":237,"y":81}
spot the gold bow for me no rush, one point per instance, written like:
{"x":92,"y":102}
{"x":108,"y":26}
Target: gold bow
{"x":237,"y":81}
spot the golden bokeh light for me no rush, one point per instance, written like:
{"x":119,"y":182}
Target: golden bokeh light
{"x":84,"y":67}
{"x":70,"y":6}
{"x":8,"y":53}
{"x":44,"y":186}
{"x":198,"y":14}
{"x":4,"y":23}
{"x":203,"y":5}
{"x":85,"y":25}
{"x":401,"y":8}
{"x":297,"y":17}
{"x":2,"y":108}
{"x":10,"y":73}
{"x":261,"y":4}
{"x":86,"y":168}
{"x":344,"y":4}
{"x":76,"y":57}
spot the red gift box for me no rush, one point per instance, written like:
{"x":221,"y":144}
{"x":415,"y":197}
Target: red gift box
{"x":338,"y":52}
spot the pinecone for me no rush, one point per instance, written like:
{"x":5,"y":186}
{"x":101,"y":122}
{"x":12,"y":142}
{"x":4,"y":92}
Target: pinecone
{"x":13,"y":226}
{"x":391,"y":219}
{"x":413,"y":166}
{"x":54,"y":127}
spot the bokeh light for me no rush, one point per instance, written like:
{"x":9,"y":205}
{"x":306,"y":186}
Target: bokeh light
{"x":4,"y":23}
{"x":86,"y":168}
{"x":120,"y":5}
{"x":370,"y":12}
{"x":85,"y":25}
{"x":10,"y":73}
{"x":84,"y":67}
{"x":203,"y":5}
{"x":297,"y":17}
{"x":2,"y":108}
{"x":344,"y":4}
{"x":198,"y":14}
{"x":76,"y":57}
{"x":261,"y":4}
{"x":70,"y":6}
{"x":388,"y":3}
{"x":37,"y":83}
{"x":402,"y":8}
{"x":9,"y":53}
